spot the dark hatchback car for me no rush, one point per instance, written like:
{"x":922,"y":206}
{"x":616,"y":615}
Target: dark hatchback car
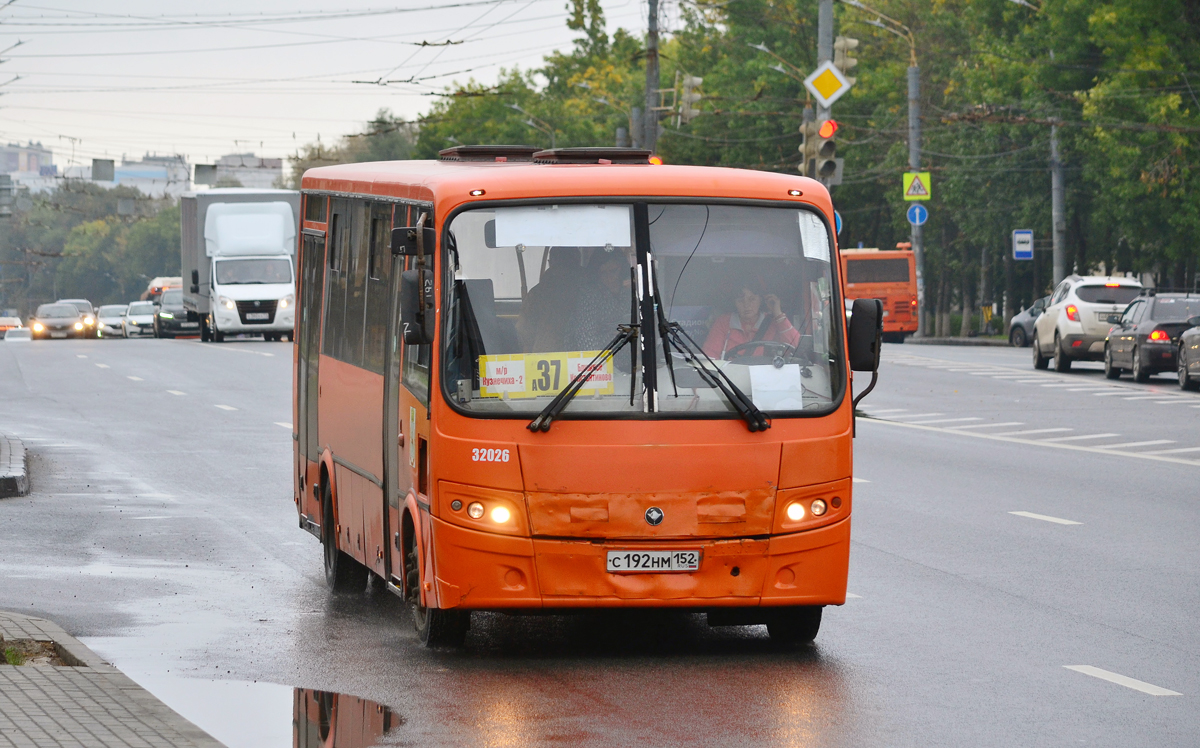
{"x":1187,"y":363}
{"x":58,"y":321}
{"x":171,"y":319}
{"x":1020,"y":329}
{"x":1145,"y":341}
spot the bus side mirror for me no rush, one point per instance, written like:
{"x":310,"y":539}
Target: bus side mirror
{"x":866,"y":334}
{"x":416,"y":306}
{"x":404,"y":240}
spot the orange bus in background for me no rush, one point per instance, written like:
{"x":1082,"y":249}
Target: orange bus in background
{"x":571,"y":379}
{"x":889,"y":275}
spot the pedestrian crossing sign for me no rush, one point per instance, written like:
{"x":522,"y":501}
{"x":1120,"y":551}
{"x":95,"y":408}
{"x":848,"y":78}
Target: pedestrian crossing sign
{"x":917,"y":185}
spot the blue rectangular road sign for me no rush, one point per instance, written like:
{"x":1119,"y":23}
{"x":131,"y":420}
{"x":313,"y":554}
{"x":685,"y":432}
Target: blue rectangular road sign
{"x":1022,"y":240}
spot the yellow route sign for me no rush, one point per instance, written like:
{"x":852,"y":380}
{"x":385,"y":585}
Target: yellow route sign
{"x":917,"y":185}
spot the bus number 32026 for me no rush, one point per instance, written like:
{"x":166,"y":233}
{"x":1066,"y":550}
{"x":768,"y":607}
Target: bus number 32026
{"x":489,"y":455}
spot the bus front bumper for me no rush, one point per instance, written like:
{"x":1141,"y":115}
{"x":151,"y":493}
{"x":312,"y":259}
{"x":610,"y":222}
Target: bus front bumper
{"x":483,"y":571}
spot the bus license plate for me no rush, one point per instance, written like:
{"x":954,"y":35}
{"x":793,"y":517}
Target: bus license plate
{"x":257,"y":315}
{"x":630,"y":562}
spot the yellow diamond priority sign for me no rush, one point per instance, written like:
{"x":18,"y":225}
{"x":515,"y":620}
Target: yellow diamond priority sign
{"x":826,"y":84}
{"x":917,"y":185}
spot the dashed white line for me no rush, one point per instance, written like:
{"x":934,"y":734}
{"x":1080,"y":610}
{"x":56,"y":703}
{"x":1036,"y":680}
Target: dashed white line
{"x":176,"y":392}
{"x":102,"y":366}
{"x":1173,"y":451}
{"x":1046,"y":518}
{"x":1109,"y":394}
{"x":1126,"y":445}
{"x":889,"y":410}
{"x":1145,"y":397}
{"x":922,"y":415}
{"x":1080,"y":438}
{"x":80,"y":355}
{"x":1123,"y":680}
{"x":1166,"y":402}
{"x":852,"y":596}
{"x":284,"y":424}
{"x":136,"y":379}
{"x":861,"y":480}
{"x":1032,"y":431}
{"x":226,"y":407}
{"x":949,"y":420}
{"x":987,"y":425}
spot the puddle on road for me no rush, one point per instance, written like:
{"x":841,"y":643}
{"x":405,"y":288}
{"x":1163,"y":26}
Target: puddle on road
{"x":242,"y":714}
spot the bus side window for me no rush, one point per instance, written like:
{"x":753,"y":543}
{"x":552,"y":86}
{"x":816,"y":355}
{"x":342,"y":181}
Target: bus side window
{"x":333,"y":339}
{"x":379,"y":268}
{"x":415,"y":374}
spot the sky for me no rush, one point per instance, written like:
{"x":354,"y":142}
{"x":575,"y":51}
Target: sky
{"x":124,"y":78}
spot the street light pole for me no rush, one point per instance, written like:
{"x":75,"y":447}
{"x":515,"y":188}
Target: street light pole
{"x":824,"y":44}
{"x":650,"y":116}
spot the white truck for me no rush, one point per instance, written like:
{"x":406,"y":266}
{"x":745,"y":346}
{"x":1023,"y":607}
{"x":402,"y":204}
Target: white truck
{"x":237,"y":251}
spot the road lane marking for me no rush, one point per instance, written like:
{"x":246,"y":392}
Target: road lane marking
{"x":1043,"y":443}
{"x":988,"y":425}
{"x":1032,"y":431}
{"x":1029,"y":381}
{"x":1109,"y":394}
{"x":861,"y":480}
{"x":1080,"y":438}
{"x":102,"y":366}
{"x":951,"y":420}
{"x":923,"y":415}
{"x":80,"y":355}
{"x":226,"y":407}
{"x":1146,"y":397}
{"x":136,"y":379}
{"x":1046,"y":518}
{"x":890,"y":410}
{"x":1173,"y":451}
{"x":852,"y":596}
{"x":287,"y":426}
{"x":1070,"y":384}
{"x":176,"y":392}
{"x":1089,"y":389}
{"x":1123,"y":680}
{"x":1167,"y":402}
{"x":1137,"y":444}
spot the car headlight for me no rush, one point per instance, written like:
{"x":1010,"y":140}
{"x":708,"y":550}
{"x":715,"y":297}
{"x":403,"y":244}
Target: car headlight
{"x":226,"y":302}
{"x":132,"y":322}
{"x":166,"y":315}
{"x":89,"y":321}
{"x":38,"y":327}
{"x":287,"y":301}
{"x":78,"y":325}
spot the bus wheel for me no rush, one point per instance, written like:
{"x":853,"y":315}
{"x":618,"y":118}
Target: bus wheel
{"x":435,"y":628}
{"x":797,"y":625}
{"x":342,"y":573}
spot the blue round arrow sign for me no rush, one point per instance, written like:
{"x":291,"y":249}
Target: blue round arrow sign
{"x":917,"y":214}
{"x":837,"y":223}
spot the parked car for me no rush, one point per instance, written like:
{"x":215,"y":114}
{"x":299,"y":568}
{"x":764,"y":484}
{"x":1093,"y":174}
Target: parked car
{"x":1146,"y":339}
{"x":1187,"y":358}
{"x":110,"y":321}
{"x":171,"y":320}
{"x":139,"y":318}
{"x":1075,"y":325}
{"x":1020,"y":329}
{"x":9,"y":323}
{"x":58,"y":321}
{"x":86,"y":309}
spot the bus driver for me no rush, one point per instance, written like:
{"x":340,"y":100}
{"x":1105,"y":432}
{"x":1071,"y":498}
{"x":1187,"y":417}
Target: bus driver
{"x":749,"y":324}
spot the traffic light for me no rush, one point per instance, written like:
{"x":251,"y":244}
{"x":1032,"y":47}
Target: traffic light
{"x":689,"y":97}
{"x":826,"y":149}
{"x":808,"y":147}
{"x":842,"y":47}
{"x":6,"y":195}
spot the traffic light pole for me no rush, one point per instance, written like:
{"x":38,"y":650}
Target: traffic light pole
{"x":914,"y":164}
{"x":1058,"y":219}
{"x":824,"y":43}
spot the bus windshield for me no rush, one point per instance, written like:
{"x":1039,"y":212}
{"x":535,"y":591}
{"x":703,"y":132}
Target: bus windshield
{"x":538,"y":291}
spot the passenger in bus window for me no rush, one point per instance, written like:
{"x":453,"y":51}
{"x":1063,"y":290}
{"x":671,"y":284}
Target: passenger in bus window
{"x":748,"y":323}
{"x":604,"y":302}
{"x":542,"y":325}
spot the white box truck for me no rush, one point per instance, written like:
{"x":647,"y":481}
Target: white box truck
{"x":237,"y":251}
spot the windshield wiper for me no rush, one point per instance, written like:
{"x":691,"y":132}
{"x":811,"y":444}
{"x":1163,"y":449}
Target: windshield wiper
{"x":673,"y":334}
{"x":625,"y":334}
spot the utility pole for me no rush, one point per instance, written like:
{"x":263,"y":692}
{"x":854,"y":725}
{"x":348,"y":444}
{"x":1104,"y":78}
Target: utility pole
{"x":1058,"y":217}
{"x":650,"y":117}
{"x":824,"y":44}
{"x":914,"y":164}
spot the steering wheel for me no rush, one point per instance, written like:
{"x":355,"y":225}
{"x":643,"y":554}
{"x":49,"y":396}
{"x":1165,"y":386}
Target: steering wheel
{"x":783,"y":349}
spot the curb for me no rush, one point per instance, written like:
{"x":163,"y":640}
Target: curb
{"x":88,"y":693}
{"x":14,"y":467}
{"x":982,"y":342}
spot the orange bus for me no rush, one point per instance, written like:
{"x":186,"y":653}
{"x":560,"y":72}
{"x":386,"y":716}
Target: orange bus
{"x":572,"y":379}
{"x":889,"y":275}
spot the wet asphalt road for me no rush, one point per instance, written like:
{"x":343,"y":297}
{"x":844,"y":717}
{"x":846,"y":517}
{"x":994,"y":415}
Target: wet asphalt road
{"x":161,"y":529}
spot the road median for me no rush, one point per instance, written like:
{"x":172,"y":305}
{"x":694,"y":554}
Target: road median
{"x":14,"y":467}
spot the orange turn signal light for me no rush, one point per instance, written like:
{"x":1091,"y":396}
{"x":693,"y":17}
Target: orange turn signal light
{"x":656,"y":160}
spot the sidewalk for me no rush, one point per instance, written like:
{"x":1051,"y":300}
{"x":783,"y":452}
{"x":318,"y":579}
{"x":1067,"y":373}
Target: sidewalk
{"x":85,"y":703}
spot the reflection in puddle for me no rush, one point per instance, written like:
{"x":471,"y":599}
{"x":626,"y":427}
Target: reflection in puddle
{"x":337,"y":720}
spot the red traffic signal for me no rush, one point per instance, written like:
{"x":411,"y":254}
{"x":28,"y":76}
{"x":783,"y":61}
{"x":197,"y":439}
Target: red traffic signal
{"x":828,"y":128}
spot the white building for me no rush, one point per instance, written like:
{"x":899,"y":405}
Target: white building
{"x":153,"y":176}
{"x":248,"y":170}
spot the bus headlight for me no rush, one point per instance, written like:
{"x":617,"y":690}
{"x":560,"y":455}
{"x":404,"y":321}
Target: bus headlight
{"x":818,"y":507}
{"x":500,"y":515}
{"x":475,"y":510}
{"x":795,"y":511}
